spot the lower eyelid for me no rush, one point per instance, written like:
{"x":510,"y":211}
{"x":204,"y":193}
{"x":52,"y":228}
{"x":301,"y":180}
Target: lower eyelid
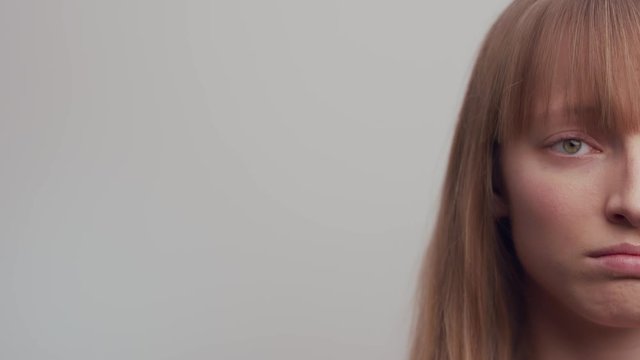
{"x":589,"y":150}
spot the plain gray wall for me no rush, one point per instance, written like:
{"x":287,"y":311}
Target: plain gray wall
{"x":224,"y":179}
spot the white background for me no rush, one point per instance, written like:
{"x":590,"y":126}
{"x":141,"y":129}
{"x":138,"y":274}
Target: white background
{"x":222,"y":180}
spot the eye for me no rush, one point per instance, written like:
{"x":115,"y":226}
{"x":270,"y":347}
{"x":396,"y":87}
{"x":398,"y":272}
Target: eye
{"x":572,"y":146}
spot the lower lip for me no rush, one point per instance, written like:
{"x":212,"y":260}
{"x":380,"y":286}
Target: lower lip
{"x":621,"y":263}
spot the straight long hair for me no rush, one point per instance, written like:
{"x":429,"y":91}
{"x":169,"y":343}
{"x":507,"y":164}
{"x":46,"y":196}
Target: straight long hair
{"x":469,"y":303}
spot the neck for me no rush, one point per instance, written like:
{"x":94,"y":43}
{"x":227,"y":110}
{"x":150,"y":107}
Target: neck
{"x":553,"y":331}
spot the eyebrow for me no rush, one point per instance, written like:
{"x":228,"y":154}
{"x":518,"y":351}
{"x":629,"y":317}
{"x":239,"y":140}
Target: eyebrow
{"x":569,"y":112}
{"x":572,"y":109}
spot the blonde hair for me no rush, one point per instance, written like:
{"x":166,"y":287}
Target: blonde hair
{"x":469,"y":304}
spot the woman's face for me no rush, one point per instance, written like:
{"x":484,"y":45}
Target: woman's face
{"x":570,"y":194}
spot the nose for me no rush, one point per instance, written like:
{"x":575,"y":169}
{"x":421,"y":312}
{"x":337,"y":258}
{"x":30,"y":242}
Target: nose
{"x":623,"y":204}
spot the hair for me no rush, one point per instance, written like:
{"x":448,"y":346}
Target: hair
{"x":469,"y":303}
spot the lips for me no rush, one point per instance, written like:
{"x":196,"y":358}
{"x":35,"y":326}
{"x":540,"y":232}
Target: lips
{"x":619,"y":249}
{"x":621,"y":259}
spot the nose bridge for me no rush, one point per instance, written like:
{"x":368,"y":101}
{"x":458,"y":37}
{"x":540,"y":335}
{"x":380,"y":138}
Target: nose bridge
{"x":631,"y":173}
{"x":624,"y":205}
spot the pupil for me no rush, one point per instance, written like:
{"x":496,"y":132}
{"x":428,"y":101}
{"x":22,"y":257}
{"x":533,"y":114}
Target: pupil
{"x":572,"y":146}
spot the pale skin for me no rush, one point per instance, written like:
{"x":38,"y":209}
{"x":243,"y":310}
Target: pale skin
{"x":568,"y":192}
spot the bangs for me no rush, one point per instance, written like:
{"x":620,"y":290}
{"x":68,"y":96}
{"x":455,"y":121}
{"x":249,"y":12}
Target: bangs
{"x":579,"y":59}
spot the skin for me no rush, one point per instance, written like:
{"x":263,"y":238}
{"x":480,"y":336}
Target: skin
{"x":564,"y":204}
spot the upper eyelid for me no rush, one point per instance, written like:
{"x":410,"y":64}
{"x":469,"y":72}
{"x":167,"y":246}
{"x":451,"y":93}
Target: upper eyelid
{"x":584,"y":141}
{"x":573,"y":135}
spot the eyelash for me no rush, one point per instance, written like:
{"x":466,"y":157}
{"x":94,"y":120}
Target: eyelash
{"x":556,"y":146}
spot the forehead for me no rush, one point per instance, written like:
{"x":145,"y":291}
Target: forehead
{"x":602,"y":99}
{"x":562,"y":102}
{"x":580,"y":65}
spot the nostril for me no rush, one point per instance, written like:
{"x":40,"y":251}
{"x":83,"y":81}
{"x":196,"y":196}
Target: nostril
{"x":620,"y":219}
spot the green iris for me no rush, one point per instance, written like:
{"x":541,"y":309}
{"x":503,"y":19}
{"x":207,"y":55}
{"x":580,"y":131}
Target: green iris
{"x":571,"y":146}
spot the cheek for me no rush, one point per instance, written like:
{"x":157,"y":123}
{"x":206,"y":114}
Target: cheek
{"x":551,"y":215}
{"x":557,"y":216}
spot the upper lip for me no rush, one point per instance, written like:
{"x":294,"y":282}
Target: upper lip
{"x":618,"y":249}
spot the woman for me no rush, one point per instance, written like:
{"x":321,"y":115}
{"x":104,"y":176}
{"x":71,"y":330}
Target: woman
{"x":535,"y":250}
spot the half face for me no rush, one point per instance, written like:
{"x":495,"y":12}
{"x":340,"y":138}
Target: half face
{"x":572,"y":195}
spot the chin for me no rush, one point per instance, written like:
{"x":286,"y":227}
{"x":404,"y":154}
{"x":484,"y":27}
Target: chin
{"x":617,"y":305}
{"x":622,"y":320}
